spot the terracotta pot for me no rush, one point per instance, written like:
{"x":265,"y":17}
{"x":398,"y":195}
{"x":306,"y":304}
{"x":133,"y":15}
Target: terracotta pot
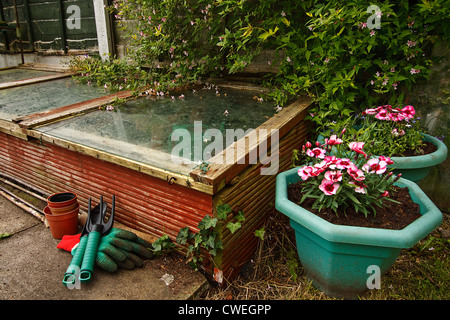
{"x":63,"y":210}
{"x":62,"y":203}
{"x":62,"y":224}
{"x":61,"y":199}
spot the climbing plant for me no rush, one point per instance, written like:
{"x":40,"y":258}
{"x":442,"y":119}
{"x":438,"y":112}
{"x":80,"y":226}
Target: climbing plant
{"x":346,"y":55}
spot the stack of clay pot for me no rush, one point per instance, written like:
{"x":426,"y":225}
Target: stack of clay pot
{"x":61,"y":213}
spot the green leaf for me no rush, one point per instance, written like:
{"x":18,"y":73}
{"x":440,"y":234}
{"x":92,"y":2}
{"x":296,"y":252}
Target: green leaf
{"x":210,"y":242}
{"x":264,"y":36}
{"x":233,"y":227}
{"x":286,"y":21}
{"x":240,"y":216}
{"x":156,"y":246}
{"x":352,"y":197}
{"x":307,"y":55}
{"x":267,"y":34}
{"x":260,"y":233}
{"x":5,"y":235}
{"x":223,"y":210}
{"x":198,"y":239}
{"x":183,"y":235}
{"x":207,"y":222}
{"x":163,"y":243}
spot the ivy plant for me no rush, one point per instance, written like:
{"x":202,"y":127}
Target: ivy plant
{"x":207,"y":238}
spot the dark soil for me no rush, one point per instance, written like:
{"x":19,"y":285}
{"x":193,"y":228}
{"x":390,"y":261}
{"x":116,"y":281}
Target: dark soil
{"x":427,"y":148}
{"x":391,"y":216}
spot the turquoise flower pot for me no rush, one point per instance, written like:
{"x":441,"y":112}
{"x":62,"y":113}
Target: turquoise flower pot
{"x":339,"y":259}
{"x":415,"y":168}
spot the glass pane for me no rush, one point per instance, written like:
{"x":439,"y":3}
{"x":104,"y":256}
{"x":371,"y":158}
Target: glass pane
{"x":142,"y":129}
{"x":25,"y":100}
{"x":9,"y":75}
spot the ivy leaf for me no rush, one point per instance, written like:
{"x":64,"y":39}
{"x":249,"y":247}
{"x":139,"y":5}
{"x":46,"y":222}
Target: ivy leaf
{"x":157,"y":246}
{"x":207,"y":223}
{"x":210,"y":242}
{"x":163,"y":242}
{"x":197,"y":240}
{"x":223,"y":210}
{"x":240,"y":216}
{"x":260,"y":233}
{"x":183,"y":235}
{"x":233,"y":227}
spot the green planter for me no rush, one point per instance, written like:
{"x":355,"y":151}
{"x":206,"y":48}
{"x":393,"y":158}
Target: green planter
{"x":338,"y":258}
{"x":415,"y":168}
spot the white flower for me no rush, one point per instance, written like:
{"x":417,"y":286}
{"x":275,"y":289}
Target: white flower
{"x":410,"y":43}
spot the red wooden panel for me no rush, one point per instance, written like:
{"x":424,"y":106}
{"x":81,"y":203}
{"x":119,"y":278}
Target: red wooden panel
{"x":143,"y":202}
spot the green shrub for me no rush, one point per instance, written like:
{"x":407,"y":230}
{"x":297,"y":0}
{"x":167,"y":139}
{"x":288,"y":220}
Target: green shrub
{"x":328,"y":50}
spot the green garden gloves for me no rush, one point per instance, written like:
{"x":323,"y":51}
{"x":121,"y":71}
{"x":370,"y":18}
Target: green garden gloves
{"x":119,"y":248}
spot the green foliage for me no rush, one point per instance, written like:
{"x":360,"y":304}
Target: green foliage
{"x":207,"y":238}
{"x":292,"y":264}
{"x":223,"y":210}
{"x":163,"y":244}
{"x":113,"y":74}
{"x":345,"y":66}
{"x":385,"y":130}
{"x":260,"y":233}
{"x":323,"y":49}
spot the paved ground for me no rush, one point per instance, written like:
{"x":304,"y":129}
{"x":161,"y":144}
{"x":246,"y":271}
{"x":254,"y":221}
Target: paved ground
{"x":31,"y":267}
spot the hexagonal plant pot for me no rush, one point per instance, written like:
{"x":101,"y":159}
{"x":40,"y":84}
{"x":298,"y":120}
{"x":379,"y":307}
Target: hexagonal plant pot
{"x":339,"y":259}
{"x":415,"y":168}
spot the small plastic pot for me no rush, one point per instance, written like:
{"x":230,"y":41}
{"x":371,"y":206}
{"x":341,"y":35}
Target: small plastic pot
{"x":62,"y":203}
{"x":64,"y":210}
{"x":62,"y":224}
